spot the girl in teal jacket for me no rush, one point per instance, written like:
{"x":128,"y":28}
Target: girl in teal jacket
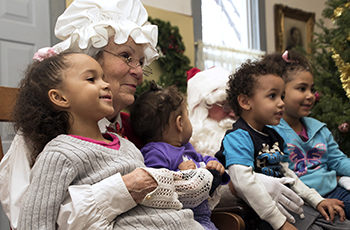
{"x":310,"y":148}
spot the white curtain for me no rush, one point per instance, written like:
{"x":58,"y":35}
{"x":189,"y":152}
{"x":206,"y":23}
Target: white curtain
{"x":227,"y":57}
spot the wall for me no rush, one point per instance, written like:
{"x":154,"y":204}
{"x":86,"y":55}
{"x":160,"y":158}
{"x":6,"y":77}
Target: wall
{"x":314,"y":6}
{"x":178,"y":6}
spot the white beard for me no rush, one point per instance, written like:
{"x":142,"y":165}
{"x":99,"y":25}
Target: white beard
{"x":207,"y":135}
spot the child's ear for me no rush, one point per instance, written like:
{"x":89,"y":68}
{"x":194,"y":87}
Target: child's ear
{"x":178,"y":123}
{"x":58,"y":99}
{"x":243,"y":101}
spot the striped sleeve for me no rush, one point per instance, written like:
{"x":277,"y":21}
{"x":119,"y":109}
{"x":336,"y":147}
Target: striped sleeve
{"x":50,"y":177}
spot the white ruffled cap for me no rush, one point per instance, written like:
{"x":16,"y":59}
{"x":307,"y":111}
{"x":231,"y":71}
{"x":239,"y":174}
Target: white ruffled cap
{"x":204,"y":83}
{"x":86,"y":25}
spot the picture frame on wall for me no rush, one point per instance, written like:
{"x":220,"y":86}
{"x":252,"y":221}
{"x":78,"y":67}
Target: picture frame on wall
{"x":293,"y":27}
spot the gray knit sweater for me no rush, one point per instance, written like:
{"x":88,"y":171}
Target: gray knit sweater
{"x":69,"y":161}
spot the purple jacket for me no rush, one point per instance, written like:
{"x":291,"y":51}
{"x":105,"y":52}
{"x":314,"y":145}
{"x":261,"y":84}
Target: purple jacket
{"x":164,"y":155}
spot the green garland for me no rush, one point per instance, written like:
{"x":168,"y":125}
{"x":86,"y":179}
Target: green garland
{"x":171,"y":58}
{"x":343,"y":66}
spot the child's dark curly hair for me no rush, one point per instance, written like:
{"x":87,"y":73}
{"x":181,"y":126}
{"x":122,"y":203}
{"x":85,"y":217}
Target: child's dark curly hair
{"x":35,"y":116}
{"x":245,"y":80}
{"x":151,"y":112}
{"x":296,"y":62}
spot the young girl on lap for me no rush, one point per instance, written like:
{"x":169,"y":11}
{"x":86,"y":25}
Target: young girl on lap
{"x":60,"y":101}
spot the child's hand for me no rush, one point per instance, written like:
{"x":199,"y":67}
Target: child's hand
{"x":187,"y":165}
{"x":333,"y":206}
{"x":217,"y":166}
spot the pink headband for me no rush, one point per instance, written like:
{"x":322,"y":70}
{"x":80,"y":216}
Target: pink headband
{"x":285,"y":56}
{"x":44,"y":53}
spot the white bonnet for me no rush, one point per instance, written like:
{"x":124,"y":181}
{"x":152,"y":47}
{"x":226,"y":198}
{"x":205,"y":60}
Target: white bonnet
{"x":86,"y":25}
{"x":203,"y":83}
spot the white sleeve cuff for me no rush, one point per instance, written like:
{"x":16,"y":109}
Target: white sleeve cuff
{"x":94,"y":206}
{"x":112,"y":196}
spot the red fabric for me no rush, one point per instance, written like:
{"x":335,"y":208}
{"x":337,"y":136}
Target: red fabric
{"x":110,"y":129}
{"x":190,"y":73}
{"x":119,"y":130}
{"x":128,"y":131}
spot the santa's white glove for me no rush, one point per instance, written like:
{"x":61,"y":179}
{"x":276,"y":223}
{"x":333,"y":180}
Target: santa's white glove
{"x":344,"y":181}
{"x":282,"y":195}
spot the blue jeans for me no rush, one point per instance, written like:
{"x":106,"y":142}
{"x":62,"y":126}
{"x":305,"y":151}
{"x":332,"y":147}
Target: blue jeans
{"x":342,"y":194}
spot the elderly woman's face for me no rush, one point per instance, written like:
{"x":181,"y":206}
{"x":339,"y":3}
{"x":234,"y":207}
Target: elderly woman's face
{"x":116,"y":70}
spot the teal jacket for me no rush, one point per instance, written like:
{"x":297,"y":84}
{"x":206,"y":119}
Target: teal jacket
{"x":318,"y":161}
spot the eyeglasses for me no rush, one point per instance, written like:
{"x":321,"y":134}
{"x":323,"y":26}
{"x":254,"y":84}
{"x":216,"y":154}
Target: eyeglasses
{"x":133,"y":63}
{"x":225,"y":107}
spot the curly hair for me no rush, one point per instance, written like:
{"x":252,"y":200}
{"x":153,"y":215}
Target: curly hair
{"x":245,"y":80}
{"x":298,"y":62}
{"x":35,"y":116}
{"x":151,"y":112}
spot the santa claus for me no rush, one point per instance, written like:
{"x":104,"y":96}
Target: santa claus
{"x":208,"y":112}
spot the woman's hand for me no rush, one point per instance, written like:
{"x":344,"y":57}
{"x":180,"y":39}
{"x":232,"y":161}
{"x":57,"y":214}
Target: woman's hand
{"x":333,"y":206}
{"x":139,"y":183}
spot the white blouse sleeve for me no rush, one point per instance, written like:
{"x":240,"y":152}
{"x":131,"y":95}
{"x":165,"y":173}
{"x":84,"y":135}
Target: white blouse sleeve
{"x":14,"y":178}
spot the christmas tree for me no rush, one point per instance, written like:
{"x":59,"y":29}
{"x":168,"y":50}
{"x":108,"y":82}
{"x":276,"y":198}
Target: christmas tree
{"x":330,"y":59}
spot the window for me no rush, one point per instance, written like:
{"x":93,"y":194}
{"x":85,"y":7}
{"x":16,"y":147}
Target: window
{"x":229,"y":32}
{"x":224,"y":22}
